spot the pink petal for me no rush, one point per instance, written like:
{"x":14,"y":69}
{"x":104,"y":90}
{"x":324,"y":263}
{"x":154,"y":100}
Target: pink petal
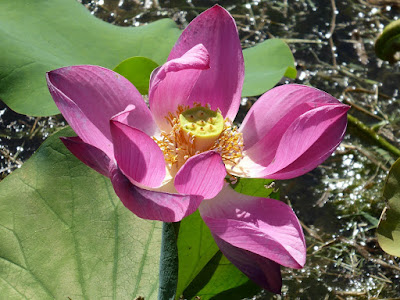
{"x":88,"y":96}
{"x":308,"y":142}
{"x":287,"y":152}
{"x":172,"y":83}
{"x":122,"y":116}
{"x":281,"y":104}
{"x":221,"y":85}
{"x":266,"y":227}
{"x":137,"y":155}
{"x":81,"y":124}
{"x":202,"y":174}
{"x":305,"y":127}
{"x":126,"y":115}
{"x":153,"y":205}
{"x":88,"y":154}
{"x":262,"y":271}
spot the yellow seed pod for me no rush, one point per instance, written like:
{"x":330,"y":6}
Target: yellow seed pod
{"x":204,"y":124}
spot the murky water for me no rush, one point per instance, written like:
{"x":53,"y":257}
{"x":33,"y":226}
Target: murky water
{"x":340,"y":202}
{"x":20,"y":136}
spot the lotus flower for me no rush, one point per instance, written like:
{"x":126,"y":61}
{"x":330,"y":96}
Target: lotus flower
{"x":173,"y":158}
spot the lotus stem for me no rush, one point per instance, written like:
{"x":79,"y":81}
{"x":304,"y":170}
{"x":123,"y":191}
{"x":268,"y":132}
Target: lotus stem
{"x":372,"y":135}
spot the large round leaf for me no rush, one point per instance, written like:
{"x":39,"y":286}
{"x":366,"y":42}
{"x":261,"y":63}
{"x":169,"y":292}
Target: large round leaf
{"x":42,"y":35}
{"x":65,"y":235}
{"x":265,"y":65}
{"x":389,"y":226}
{"x":137,"y":70}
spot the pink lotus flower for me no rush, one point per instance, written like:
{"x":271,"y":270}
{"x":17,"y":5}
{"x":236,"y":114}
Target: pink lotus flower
{"x":167,"y":161}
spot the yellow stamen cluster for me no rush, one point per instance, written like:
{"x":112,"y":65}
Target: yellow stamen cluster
{"x":179,"y":144}
{"x":172,"y":116}
{"x":174,"y":145}
{"x":229,"y":144}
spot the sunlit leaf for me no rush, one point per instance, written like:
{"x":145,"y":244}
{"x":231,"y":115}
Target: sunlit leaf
{"x":65,"y":235}
{"x":196,"y":247}
{"x":291,"y":72}
{"x":257,"y":187}
{"x":219,"y":279}
{"x":265,"y":65}
{"x":41,"y":35}
{"x":137,"y":70}
{"x":389,"y":226}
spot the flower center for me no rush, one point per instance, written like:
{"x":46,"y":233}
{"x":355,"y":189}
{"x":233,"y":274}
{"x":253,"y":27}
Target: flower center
{"x":203,"y":125}
{"x":198,"y":129}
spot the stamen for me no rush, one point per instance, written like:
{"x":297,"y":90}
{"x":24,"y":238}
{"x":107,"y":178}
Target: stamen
{"x":181,"y":143}
{"x":232,"y":179}
{"x":229,"y":144}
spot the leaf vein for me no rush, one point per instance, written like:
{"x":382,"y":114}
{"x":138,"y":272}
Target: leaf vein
{"x":142,"y":262}
{"x":14,"y":288}
{"x":76,"y":244}
{"x":45,"y":202}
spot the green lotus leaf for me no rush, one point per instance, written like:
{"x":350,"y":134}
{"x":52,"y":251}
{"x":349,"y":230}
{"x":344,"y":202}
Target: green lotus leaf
{"x":65,"y":234}
{"x":389,"y":225}
{"x":220,"y":280}
{"x":137,"y":70}
{"x":196,"y":247}
{"x":41,"y":35}
{"x":265,"y":65}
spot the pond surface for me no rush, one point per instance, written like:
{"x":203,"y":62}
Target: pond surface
{"x":340,"y":202}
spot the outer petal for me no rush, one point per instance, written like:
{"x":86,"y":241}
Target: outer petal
{"x":283,"y":102}
{"x":296,"y":143}
{"x":221,"y":86}
{"x":262,"y":271}
{"x":172,"y":83}
{"x":308,"y":142}
{"x":81,"y":124}
{"x":266,"y":227}
{"x":153,"y":205}
{"x":137,"y":155}
{"x":88,"y":154}
{"x":202,"y":174}
{"x":88,"y":96}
